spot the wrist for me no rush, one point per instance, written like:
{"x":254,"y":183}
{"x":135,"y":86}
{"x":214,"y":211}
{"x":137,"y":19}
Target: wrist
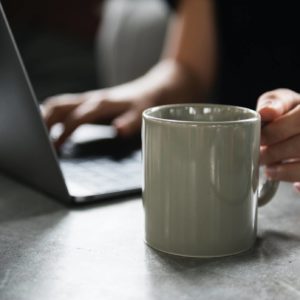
{"x":172,"y":82}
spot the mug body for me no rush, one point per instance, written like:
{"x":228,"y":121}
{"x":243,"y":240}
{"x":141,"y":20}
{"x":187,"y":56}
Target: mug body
{"x":200,"y":178}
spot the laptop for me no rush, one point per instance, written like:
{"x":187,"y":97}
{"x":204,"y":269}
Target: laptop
{"x":88,"y":169}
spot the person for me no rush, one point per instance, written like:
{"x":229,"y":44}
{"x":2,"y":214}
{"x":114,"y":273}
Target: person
{"x":241,"y":52}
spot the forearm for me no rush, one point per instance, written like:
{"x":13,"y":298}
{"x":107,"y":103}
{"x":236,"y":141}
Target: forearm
{"x":167,"y":82}
{"x":186,"y":72}
{"x":187,"y":68}
{"x":192,"y":41}
{"x":171,"y":82}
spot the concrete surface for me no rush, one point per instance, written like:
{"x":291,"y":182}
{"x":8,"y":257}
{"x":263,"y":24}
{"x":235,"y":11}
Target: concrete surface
{"x":50,"y":252}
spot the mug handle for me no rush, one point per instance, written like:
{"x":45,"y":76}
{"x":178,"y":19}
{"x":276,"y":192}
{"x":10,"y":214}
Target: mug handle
{"x":269,"y":187}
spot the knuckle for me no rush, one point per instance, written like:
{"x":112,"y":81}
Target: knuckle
{"x":53,"y":110}
{"x":104,"y":103}
{"x":47,"y":105}
{"x":96,"y":103}
{"x":51,"y":105}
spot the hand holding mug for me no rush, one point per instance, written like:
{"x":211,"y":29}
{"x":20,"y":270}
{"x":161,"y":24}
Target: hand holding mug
{"x":280,"y":150}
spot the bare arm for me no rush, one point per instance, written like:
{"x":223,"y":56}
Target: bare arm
{"x":187,"y":70}
{"x":185,"y":73}
{"x":192,"y":41}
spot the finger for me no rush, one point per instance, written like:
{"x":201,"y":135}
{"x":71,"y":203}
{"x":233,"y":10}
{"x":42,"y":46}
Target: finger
{"x":129,"y":123}
{"x":284,"y":172}
{"x":56,"y":109}
{"x":82,"y":114}
{"x":282,"y":128}
{"x":57,"y":115}
{"x":274,"y":104}
{"x":282,"y":151}
{"x":268,"y":111}
{"x":297,"y":186}
{"x":91,"y":111}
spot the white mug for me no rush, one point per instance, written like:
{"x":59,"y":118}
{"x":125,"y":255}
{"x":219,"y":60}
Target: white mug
{"x":201,"y":176}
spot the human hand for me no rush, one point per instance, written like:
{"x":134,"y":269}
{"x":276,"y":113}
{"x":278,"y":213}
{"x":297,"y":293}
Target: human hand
{"x":121,"y":106}
{"x":280,"y":140}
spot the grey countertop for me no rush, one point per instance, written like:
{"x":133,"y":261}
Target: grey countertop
{"x":50,"y":252}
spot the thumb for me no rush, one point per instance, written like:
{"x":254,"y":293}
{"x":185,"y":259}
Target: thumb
{"x":128,"y":123}
{"x":274,"y":104}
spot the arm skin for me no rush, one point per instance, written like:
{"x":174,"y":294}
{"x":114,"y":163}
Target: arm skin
{"x":185,"y":73}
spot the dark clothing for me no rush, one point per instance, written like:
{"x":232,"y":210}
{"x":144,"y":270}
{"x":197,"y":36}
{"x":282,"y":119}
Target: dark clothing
{"x":172,"y":3}
{"x":259,"y":48}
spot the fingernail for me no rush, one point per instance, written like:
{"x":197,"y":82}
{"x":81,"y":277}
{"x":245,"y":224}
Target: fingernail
{"x":270,"y":104}
{"x":271,"y":172}
{"x":264,"y":104}
{"x":276,"y":105}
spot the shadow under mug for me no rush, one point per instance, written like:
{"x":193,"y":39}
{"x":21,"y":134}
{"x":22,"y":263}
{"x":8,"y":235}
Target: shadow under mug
{"x":201,"y":179}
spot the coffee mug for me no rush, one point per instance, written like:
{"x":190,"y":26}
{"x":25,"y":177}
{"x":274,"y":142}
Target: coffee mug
{"x":201,"y":179}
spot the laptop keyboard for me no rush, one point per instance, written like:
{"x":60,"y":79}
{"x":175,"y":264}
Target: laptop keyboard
{"x":103,"y":175}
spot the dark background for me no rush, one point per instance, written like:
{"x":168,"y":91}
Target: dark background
{"x":78,"y":17}
{"x":56,"y":39}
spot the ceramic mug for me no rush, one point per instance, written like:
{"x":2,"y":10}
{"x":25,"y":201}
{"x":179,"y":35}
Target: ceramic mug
{"x":201,"y":179}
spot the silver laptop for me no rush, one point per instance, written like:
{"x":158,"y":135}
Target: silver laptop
{"x":95,"y":170}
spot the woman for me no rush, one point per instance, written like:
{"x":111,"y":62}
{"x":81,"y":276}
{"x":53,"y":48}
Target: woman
{"x":242,"y":51}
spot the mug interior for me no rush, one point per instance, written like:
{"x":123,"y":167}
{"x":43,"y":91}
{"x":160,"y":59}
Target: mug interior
{"x":201,"y":113}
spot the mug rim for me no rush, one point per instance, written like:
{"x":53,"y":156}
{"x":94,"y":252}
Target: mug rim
{"x":148,"y":117}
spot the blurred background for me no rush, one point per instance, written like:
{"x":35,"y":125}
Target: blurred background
{"x":72,"y":46}
{"x":56,"y":41}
